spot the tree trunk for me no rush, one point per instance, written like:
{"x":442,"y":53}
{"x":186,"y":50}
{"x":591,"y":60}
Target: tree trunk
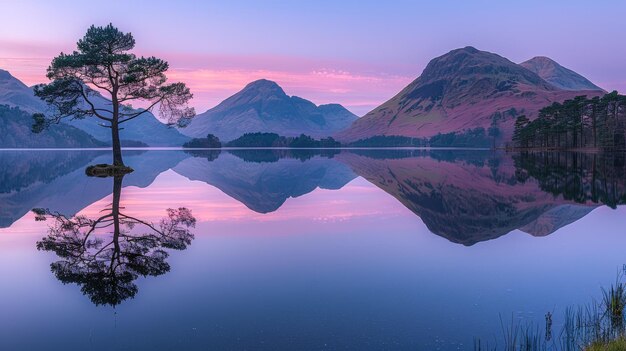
{"x":115,"y":209}
{"x":595,"y":128}
{"x":115,"y":128}
{"x":115,"y":206}
{"x":117,"y":146}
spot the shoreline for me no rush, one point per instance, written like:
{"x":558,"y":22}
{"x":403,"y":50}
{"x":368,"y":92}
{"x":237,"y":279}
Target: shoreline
{"x":543,"y":149}
{"x":179,"y":148}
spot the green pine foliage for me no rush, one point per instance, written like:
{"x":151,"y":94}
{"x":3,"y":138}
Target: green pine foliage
{"x":575,"y":124}
{"x":275,"y":140}
{"x":210,"y":142}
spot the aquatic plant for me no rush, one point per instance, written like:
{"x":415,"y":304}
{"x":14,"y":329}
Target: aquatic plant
{"x":596,"y":326}
{"x":614,"y":301}
{"x":517,"y":337}
{"x":615,"y":345}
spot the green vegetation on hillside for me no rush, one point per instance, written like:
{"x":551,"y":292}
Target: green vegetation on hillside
{"x":15,"y":128}
{"x":577,"y":123}
{"x":390,"y":141}
{"x":275,"y":140}
{"x":476,"y":137}
{"x":210,"y":142}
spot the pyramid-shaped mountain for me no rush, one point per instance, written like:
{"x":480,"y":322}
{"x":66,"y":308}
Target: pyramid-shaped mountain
{"x":462,"y":90}
{"x":263,"y":106}
{"x":557,"y":75}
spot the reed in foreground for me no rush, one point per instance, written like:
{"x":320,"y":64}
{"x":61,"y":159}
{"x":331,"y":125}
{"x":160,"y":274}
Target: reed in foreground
{"x":594,"y":327}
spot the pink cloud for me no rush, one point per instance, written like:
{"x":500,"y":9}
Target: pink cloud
{"x":212,"y":78}
{"x":359,"y":92}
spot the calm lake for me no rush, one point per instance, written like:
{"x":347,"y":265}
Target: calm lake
{"x":301,"y":249}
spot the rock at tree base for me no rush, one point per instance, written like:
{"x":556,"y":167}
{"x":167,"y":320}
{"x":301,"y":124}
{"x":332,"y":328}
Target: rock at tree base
{"x":104,"y":170}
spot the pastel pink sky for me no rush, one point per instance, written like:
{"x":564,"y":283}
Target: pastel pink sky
{"x":357,"y":53}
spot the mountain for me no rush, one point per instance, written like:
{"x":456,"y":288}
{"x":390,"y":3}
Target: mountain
{"x":558,"y":75}
{"x":15,"y":128}
{"x":461,"y":90}
{"x":14,"y":93}
{"x":263,"y":106}
{"x":147,"y":129}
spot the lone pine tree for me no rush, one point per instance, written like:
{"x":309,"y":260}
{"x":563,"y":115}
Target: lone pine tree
{"x":103,"y":65}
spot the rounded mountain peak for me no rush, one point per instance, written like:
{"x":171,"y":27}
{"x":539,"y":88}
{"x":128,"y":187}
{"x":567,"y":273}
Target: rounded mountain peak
{"x":468,"y":49}
{"x":264,"y":87}
{"x":469,"y":64}
{"x":255,"y":93}
{"x":540,"y":61}
{"x":557,"y":75}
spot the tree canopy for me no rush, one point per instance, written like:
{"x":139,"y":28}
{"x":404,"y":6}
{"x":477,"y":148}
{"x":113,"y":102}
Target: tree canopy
{"x":275,"y":140}
{"x":582,"y":122}
{"x":104,"y":65}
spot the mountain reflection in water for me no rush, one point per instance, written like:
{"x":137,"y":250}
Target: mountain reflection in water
{"x":298,"y":249}
{"x":464,"y":196}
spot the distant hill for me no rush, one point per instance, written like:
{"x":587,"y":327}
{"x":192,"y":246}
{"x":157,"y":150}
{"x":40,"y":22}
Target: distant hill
{"x":17,"y":94}
{"x":460,"y":91}
{"x":15,"y":131}
{"x":146,"y":129}
{"x":558,"y":75}
{"x":263,"y":106}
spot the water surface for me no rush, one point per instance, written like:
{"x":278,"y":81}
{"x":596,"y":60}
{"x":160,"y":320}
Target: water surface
{"x":301,"y":249}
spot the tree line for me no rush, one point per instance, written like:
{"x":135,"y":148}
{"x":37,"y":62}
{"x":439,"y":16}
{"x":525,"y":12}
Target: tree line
{"x":582,"y":122}
{"x":264,"y":140}
{"x":576,"y":176}
{"x":477,"y":137}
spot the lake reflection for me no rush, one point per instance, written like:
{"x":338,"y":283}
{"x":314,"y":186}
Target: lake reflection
{"x":301,"y":249}
{"x":104,"y":255}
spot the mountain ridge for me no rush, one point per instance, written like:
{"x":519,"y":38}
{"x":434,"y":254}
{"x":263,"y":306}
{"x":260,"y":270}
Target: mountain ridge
{"x":263,"y":106}
{"x":461,"y":90}
{"x":557,"y":75}
{"x":147,"y":129}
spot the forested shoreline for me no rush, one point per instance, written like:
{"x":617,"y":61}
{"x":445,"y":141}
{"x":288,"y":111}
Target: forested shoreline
{"x":581,"y":123}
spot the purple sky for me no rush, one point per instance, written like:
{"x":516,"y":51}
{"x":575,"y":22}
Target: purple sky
{"x":357,"y":53}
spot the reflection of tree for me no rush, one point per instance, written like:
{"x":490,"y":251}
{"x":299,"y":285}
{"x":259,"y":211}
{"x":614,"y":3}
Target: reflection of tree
{"x":579,"y":177}
{"x":107,"y":254}
{"x":210,"y":155}
{"x":273,"y":155}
